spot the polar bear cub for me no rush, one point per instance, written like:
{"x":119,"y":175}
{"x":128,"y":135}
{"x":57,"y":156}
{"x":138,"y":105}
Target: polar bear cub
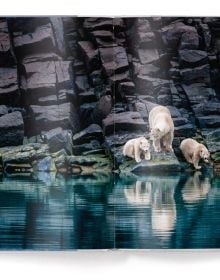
{"x":162,"y":128}
{"x":137,"y":146}
{"x":194,"y":151}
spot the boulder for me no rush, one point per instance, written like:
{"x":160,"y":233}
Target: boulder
{"x":89,"y":164}
{"x":101,"y":23}
{"x":172,"y":34}
{"x":92,"y":147}
{"x":129,"y":121}
{"x":114,"y":60}
{"x":11,"y":129}
{"x":192,"y":58}
{"x":195,"y":74}
{"x":197,"y":93}
{"x":148,"y":85}
{"x":160,"y":163}
{"x":3,"y":110}
{"x":189,"y":41}
{"x":6,"y":53}
{"x":58,"y":139}
{"x":46,"y":164}
{"x":9,"y":90}
{"x":90,"y":54}
{"x":148,"y":55}
{"x":23,"y":153}
{"x":91,"y":132}
{"x":101,"y":110}
{"x":40,"y":40}
{"x":49,"y":117}
{"x":46,"y":78}
{"x":58,"y":31}
{"x":211,"y":121}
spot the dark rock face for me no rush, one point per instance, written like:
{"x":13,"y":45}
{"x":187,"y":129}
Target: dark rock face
{"x":58,"y":139}
{"x":97,"y":79}
{"x":124,"y":121}
{"x":11,"y":129}
{"x":48,"y":117}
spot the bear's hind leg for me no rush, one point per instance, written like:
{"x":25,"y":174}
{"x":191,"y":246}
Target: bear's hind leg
{"x":195,"y":161}
{"x":167,"y":141}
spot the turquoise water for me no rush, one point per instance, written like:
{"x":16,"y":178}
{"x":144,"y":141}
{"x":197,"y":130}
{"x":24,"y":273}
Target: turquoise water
{"x":51,"y":212}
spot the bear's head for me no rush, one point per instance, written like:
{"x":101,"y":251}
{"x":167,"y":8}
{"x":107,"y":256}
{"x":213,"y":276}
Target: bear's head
{"x":204,"y":153}
{"x":155,"y":134}
{"x":144,"y":144}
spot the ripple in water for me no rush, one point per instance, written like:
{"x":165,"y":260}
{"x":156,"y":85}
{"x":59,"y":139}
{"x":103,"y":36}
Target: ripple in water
{"x":51,"y":212}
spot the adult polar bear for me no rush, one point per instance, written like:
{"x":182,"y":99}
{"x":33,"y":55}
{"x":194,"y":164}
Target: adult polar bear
{"x":162,"y":128}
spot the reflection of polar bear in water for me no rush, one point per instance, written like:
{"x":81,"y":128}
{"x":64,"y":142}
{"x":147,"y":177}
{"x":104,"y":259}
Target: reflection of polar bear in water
{"x":139,"y":194}
{"x":194,"y":151}
{"x":159,"y":194}
{"x":137,"y":146}
{"x":162,"y":128}
{"x":163,"y":211}
{"x":195,"y":188}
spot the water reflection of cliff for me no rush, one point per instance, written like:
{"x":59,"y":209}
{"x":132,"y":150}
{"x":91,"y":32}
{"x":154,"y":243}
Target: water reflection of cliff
{"x":54,"y":212}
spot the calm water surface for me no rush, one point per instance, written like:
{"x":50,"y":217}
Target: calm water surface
{"x":50,"y":212}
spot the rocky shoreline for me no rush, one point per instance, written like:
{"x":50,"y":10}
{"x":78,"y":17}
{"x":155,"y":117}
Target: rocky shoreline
{"x":74,"y":90}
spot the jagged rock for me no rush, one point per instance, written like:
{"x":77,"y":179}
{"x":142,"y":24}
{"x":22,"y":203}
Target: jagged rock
{"x":89,"y":164}
{"x":103,"y":38}
{"x":212,"y":121}
{"x":46,"y":164}
{"x":149,"y":69}
{"x":41,"y":57}
{"x":147,"y":85}
{"x":90,"y":54}
{"x":11,"y":129}
{"x":126,"y":88}
{"x":24,"y":153}
{"x":173,"y":33}
{"x":101,"y":110}
{"x":40,"y":40}
{"x":148,"y":55}
{"x":114,"y":60}
{"x":124,"y":121}
{"x":91,"y":132}
{"x":93,"y":147}
{"x":101,"y":23}
{"x":146,"y":39}
{"x":58,"y":139}
{"x":81,"y":83}
{"x":189,"y":40}
{"x":87,"y":96}
{"x":64,"y":74}
{"x":6,"y":54}
{"x":48,"y":77}
{"x":192,"y":58}
{"x":196,"y":73}
{"x":9,"y":90}
{"x":160,"y":163}
{"x":207,"y":108}
{"x":197,"y":93}
{"x":58,"y":29}
{"x":3,"y":110}
{"x":49,"y":117}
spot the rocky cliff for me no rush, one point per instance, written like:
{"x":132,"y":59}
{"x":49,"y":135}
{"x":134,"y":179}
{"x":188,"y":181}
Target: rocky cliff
{"x":74,"y":90}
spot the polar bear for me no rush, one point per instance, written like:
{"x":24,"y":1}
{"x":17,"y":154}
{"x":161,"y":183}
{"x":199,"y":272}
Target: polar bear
{"x":137,"y":146}
{"x":161,"y":128}
{"x":194,"y":151}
